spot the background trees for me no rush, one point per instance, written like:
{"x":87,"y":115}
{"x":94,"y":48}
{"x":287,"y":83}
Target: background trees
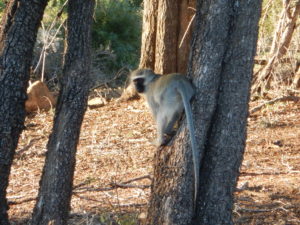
{"x":282,"y":37}
{"x":117,"y":29}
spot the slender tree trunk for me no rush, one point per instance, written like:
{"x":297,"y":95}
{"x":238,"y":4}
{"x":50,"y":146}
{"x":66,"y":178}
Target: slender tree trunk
{"x":225,"y":31}
{"x":149,"y":34}
{"x":166,"y":36}
{"x":187,"y":13}
{"x":18,"y":36}
{"x":54,"y":197}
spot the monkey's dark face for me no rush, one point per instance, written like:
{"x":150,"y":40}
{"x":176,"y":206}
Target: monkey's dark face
{"x":139,"y":85}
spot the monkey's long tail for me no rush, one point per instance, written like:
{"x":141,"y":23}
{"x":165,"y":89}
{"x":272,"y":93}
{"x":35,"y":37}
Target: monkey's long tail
{"x":196,"y":160}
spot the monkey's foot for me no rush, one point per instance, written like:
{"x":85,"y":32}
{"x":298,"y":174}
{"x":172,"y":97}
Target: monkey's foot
{"x":165,"y":140}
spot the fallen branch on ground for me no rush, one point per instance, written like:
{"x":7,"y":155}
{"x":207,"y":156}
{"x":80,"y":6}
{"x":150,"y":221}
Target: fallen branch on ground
{"x":279,"y":99}
{"x":21,"y":202}
{"x":118,"y":205}
{"x":86,"y":189}
{"x":113,"y":186}
{"x":24,"y":149}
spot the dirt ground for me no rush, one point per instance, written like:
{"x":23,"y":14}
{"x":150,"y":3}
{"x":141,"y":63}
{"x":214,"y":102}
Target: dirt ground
{"x":114,"y":165}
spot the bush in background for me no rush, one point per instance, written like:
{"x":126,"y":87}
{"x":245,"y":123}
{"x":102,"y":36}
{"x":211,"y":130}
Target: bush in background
{"x":117,"y":29}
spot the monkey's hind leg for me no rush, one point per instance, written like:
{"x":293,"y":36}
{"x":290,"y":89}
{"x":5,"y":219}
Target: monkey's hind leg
{"x":162,"y":136}
{"x":165,"y":128}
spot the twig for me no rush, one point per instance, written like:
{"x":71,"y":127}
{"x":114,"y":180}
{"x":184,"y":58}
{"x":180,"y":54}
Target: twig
{"x":21,"y":202}
{"x":254,"y":210}
{"x":119,"y":205}
{"x":270,"y":173}
{"x":187,"y":29}
{"x":113,"y":205}
{"x":86,"y":198}
{"x":125,"y":186}
{"x":135,"y":205}
{"x":31,"y":142}
{"x":138,"y":178}
{"x":284,"y":98}
{"x":113,"y":186}
{"x":119,"y":74}
{"x":46,"y":46}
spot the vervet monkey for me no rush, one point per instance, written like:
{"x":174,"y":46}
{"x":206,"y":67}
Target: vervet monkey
{"x":167,"y":96}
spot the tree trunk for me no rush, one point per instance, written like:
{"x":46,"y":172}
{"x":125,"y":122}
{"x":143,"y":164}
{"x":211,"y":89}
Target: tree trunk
{"x":187,"y":13}
{"x":149,"y":34}
{"x":225,"y":31}
{"x":54,"y":197}
{"x":280,"y":45}
{"x":165,"y":26}
{"x":166,"y":36}
{"x":18,"y":37}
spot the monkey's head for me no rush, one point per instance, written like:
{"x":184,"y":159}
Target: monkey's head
{"x":141,"y":79}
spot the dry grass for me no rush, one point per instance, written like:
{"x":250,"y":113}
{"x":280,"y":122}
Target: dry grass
{"x":115,"y":147}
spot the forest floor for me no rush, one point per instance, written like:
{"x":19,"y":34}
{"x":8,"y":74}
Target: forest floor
{"x":114,"y":166}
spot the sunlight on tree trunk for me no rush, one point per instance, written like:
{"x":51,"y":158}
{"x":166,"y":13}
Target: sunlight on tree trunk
{"x":149,"y":35}
{"x":165,"y":26}
{"x":166,"y":37}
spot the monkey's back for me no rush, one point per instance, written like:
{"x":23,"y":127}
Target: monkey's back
{"x":167,"y":90}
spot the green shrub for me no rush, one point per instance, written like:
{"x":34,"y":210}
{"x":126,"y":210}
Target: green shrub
{"x":117,"y":28}
{"x":2,"y":6}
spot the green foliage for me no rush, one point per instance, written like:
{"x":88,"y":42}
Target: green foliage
{"x":117,"y":28}
{"x":136,"y":3}
{"x":56,"y":3}
{"x":2,"y":6}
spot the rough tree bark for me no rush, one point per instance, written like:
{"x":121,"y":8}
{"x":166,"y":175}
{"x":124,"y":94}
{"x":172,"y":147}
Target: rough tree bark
{"x":54,"y":197}
{"x":164,"y":26}
{"x":281,"y":41}
{"x":221,"y":65}
{"x":18,"y":36}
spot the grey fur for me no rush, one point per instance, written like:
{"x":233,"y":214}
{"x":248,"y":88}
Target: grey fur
{"x":167,"y":96}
